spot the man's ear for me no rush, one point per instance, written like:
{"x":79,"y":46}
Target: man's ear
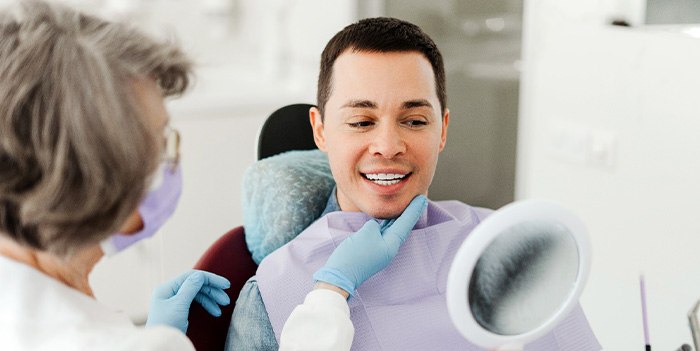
{"x":317,"y":125}
{"x":445,"y":123}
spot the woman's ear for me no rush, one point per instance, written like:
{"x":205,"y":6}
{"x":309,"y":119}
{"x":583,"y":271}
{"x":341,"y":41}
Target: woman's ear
{"x":132,"y":225}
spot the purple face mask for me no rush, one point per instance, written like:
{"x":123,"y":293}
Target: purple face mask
{"x":156,"y":208}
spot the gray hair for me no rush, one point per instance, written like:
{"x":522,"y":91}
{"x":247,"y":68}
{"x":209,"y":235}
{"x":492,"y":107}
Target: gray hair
{"x":76,"y":151}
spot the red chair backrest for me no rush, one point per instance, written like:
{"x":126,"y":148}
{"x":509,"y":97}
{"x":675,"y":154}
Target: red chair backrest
{"x":285,"y":129}
{"x":228,"y":257}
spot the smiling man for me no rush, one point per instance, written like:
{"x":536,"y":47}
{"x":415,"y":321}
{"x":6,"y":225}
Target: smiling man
{"x":382,"y":126}
{"x":382,"y":119}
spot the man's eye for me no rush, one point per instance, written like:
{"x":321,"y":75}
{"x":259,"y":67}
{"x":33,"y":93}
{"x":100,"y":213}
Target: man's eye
{"x":414,"y":123}
{"x":361,"y":124}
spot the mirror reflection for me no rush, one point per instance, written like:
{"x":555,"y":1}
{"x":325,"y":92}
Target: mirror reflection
{"x":523,"y":277}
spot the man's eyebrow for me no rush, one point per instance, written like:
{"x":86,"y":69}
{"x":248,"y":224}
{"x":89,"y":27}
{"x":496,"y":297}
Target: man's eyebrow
{"x":360,"y":104}
{"x":416,"y":103}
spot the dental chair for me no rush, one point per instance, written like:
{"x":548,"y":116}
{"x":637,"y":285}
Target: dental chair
{"x":286,"y":129}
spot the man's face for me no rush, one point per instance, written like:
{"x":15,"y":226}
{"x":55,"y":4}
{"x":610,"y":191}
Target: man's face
{"x":383,"y":130}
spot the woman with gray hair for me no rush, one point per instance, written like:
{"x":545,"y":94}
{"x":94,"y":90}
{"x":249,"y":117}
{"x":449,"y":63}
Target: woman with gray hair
{"x":83,"y":155}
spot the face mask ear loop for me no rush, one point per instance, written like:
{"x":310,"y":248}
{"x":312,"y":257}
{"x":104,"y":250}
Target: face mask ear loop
{"x":176,"y":162}
{"x":173,"y":141}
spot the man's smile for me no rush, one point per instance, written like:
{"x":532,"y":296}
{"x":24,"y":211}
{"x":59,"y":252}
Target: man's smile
{"x":386,"y":179}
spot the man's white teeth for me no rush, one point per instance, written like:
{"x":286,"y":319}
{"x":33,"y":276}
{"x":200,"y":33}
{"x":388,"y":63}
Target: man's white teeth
{"x":385,"y":178}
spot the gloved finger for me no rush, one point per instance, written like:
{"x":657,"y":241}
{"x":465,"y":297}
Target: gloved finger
{"x":397,"y":233}
{"x":386,"y":224}
{"x":216,"y":294}
{"x":190,"y":287}
{"x":171,"y":287}
{"x":215,"y":280}
{"x":209,"y":305}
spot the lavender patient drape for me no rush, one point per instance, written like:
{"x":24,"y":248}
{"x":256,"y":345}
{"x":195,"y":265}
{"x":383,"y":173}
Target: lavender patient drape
{"x":402,"y":307}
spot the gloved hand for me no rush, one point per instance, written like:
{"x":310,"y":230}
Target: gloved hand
{"x":370,"y":249}
{"x":170,"y":304}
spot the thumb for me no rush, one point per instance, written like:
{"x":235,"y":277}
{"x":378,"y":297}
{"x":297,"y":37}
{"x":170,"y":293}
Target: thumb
{"x":190,"y":287}
{"x":397,"y":233}
{"x":367,"y":235}
{"x":370,"y":227}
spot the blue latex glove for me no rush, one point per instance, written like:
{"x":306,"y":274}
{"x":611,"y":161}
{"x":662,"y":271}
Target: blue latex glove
{"x":370,"y":249}
{"x":170,"y":304}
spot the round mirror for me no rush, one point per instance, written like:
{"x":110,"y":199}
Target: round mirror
{"x":518,"y":274}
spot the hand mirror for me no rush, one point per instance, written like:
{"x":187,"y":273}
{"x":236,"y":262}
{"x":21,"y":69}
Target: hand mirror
{"x":518,"y":274}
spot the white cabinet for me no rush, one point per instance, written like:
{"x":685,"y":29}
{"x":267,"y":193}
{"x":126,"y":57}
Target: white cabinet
{"x":628,"y":97}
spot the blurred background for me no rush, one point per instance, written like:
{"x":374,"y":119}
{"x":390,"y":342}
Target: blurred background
{"x":548,"y":99}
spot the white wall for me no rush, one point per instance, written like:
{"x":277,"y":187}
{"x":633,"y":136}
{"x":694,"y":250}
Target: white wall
{"x":609,"y":127}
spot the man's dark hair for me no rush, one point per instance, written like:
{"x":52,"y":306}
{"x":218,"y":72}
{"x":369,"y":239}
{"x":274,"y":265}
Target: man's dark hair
{"x":381,"y":34}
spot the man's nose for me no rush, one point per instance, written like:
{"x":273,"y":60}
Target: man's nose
{"x":387,"y":142}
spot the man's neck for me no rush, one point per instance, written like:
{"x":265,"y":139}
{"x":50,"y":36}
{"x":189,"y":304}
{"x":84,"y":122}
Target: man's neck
{"x":332,"y":204}
{"x":72,"y":271}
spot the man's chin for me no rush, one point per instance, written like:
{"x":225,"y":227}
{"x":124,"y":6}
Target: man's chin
{"x":387,"y":212}
{"x":387,"y":208}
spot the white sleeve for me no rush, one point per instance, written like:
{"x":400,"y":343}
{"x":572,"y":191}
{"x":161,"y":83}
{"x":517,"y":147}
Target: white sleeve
{"x":322,"y":322}
{"x":153,"y":338}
